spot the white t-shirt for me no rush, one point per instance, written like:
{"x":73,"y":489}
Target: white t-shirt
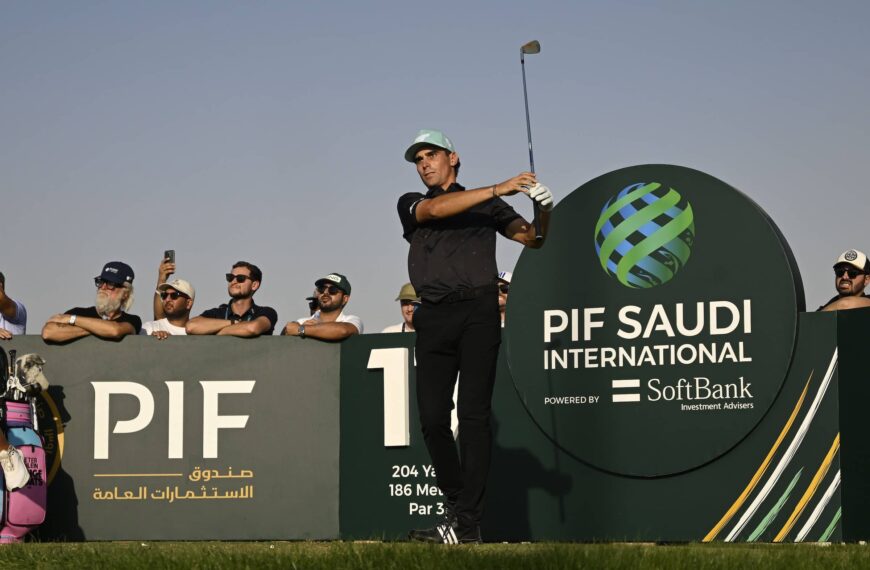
{"x":18,"y":324}
{"x":399,"y":328}
{"x":342,"y":318}
{"x":161,"y":325}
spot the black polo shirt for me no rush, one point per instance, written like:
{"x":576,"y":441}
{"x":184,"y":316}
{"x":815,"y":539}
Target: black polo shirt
{"x":92,"y":312}
{"x":455,"y":253}
{"x":225,"y":312}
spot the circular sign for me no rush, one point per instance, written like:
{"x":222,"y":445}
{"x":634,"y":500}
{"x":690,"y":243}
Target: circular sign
{"x":655,"y":328}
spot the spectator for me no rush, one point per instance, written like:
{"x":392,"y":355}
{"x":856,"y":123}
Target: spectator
{"x":13,"y":315}
{"x":329,"y":322}
{"x":177,"y":301}
{"x":504,"y":287}
{"x":408,"y":301}
{"x":107,"y":319}
{"x":240,"y":316}
{"x":851,"y":276}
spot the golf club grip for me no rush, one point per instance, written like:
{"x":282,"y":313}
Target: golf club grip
{"x":537,"y":221}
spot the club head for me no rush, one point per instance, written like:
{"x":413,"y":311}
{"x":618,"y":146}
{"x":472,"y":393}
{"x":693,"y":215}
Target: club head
{"x":533,"y":46}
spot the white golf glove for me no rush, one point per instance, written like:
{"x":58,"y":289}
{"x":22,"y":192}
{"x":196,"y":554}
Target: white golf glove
{"x":542,"y":195}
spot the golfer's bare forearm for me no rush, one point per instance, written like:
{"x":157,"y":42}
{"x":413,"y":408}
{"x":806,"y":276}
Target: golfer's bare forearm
{"x":447,"y":205}
{"x":524,"y":232}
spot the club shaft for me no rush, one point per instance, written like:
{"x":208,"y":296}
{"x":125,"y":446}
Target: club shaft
{"x":537,"y":219}
{"x":528,"y":121}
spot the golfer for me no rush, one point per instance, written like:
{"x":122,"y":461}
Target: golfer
{"x":451,"y":264}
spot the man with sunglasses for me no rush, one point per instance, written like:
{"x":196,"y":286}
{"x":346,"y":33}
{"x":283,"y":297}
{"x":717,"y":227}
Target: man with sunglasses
{"x":240,"y":316}
{"x":177,"y":301}
{"x":329,"y":321}
{"x":408,"y":302}
{"x":451,"y":262}
{"x":851,"y":277}
{"x":107,"y":319}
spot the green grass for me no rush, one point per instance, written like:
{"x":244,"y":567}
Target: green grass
{"x":330,"y":555}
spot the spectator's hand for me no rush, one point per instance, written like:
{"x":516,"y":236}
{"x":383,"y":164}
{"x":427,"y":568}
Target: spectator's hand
{"x":167,"y":268}
{"x":60,"y":318}
{"x":292,"y":329}
{"x":519,"y":183}
{"x":161,"y":335}
{"x":5,"y":335}
{"x":542,"y":195}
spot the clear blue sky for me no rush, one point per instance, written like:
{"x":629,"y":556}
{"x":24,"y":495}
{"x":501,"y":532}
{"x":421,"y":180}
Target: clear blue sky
{"x":274,"y":131}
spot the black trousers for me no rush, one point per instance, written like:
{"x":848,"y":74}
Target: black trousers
{"x":462,"y":337}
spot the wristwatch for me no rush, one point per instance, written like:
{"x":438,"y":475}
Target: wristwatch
{"x":301,"y":331}
{"x":72,"y":319}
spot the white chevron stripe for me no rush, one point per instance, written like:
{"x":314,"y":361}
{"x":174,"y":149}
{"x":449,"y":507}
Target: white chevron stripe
{"x":451,"y":535}
{"x":789,"y":453}
{"x":817,"y":512}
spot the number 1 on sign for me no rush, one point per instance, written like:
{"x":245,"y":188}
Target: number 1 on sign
{"x":397,"y":424}
{"x":394,"y":363}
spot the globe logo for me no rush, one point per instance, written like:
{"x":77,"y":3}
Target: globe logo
{"x":644,"y":235}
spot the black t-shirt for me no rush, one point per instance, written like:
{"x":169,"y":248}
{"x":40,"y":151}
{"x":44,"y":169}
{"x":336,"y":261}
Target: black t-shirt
{"x":256,"y":311}
{"x":92,"y":312}
{"x":455,"y":253}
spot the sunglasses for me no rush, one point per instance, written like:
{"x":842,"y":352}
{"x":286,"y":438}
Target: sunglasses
{"x":108,"y":284}
{"x":172,"y":295}
{"x":331,"y":289}
{"x":238,"y":278}
{"x":851,"y":271}
{"x":504,"y":288}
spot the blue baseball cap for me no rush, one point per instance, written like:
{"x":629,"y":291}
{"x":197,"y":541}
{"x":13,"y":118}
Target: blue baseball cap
{"x":117,"y":272}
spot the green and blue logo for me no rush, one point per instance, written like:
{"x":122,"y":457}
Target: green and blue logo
{"x":644,"y":235}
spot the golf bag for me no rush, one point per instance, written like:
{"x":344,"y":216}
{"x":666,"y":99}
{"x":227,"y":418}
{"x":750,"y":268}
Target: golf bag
{"x":22,"y":510}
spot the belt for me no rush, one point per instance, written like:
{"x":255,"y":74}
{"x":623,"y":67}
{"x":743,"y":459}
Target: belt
{"x":473,"y":293}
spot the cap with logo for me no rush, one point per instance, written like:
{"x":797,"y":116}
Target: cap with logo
{"x":179,"y":285}
{"x":117,"y":272}
{"x":505,"y":276}
{"x":336,"y":279}
{"x":428,"y":137}
{"x":407,"y":293}
{"x":854,"y":258}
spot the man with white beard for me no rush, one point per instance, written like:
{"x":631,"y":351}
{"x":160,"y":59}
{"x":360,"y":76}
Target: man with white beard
{"x":107,"y":319}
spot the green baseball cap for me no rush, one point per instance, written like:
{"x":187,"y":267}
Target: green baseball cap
{"x":336,"y":279}
{"x":428,"y":137}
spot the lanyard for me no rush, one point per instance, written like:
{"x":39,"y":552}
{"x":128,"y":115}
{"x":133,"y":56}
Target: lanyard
{"x":230,"y":316}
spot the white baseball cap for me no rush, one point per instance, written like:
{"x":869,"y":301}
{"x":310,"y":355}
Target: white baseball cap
{"x":179,"y":285}
{"x":853,"y":257}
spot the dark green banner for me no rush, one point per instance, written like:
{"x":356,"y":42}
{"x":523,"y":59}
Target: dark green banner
{"x":190,"y":438}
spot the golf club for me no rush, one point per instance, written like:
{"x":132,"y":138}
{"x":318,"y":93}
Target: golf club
{"x":532,"y":47}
